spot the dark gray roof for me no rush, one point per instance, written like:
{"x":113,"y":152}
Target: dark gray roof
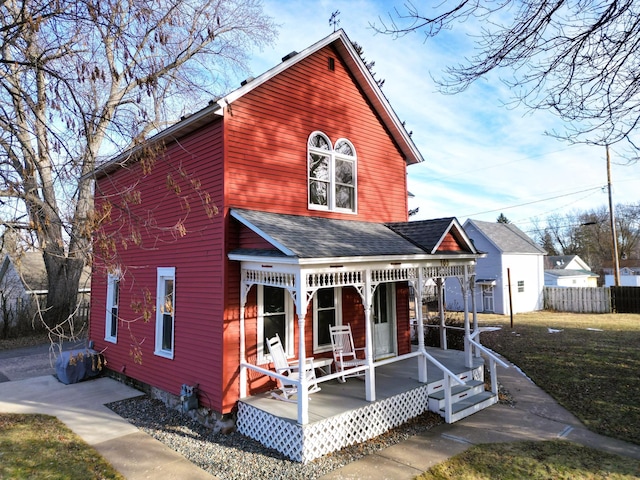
{"x":316,"y":237}
{"x":506,"y":237}
{"x":426,"y":234}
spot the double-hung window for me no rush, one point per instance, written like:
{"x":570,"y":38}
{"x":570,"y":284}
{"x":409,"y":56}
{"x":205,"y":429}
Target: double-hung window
{"x":327,"y":312}
{"x":165,"y":311}
{"x":113,"y":299}
{"x":331,"y":174}
{"x":275,"y":317}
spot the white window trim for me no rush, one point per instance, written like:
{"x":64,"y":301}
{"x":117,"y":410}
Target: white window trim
{"x":164,"y":273}
{"x":288,"y":343}
{"x":112,"y":278}
{"x":333,"y":155}
{"x":337,"y":302}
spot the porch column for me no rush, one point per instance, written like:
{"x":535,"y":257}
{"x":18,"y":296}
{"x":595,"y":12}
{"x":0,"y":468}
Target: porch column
{"x":468,"y":354}
{"x":443,"y":330}
{"x":422,"y":359}
{"x":243,"y":348}
{"x":303,"y":391}
{"x":474,"y":308}
{"x":369,"y":377}
{"x":301,"y":302}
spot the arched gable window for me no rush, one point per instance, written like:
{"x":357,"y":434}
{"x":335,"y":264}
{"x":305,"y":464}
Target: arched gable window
{"x":332,"y":174}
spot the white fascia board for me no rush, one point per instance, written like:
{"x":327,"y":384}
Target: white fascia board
{"x":461,"y":231}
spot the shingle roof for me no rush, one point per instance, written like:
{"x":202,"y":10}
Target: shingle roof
{"x":507,"y":237}
{"x":316,"y":237}
{"x":425,"y":233}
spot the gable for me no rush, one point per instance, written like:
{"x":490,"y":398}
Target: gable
{"x":267,"y":132}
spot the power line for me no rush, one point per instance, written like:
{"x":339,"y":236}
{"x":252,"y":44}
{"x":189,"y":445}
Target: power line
{"x":534,"y":201}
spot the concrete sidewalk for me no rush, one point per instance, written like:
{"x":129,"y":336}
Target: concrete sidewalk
{"x":80,"y":406}
{"x":535,"y":416}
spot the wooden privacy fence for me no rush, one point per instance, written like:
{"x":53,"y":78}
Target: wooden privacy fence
{"x":625,"y":299}
{"x":578,"y":299}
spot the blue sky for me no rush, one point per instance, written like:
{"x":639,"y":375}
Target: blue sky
{"x":481,"y":157}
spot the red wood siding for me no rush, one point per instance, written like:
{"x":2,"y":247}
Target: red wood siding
{"x":450,"y":244}
{"x":173,"y":193}
{"x":267,"y":133}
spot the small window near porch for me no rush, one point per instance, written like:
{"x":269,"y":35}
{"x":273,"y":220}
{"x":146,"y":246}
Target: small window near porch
{"x":327,"y":312}
{"x":275,"y":317}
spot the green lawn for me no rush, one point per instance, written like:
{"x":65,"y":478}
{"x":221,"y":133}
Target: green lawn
{"x":591,"y":365}
{"x":41,"y":447}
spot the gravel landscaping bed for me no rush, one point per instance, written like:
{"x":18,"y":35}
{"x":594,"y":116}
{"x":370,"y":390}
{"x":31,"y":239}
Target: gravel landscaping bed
{"x":234,"y":456}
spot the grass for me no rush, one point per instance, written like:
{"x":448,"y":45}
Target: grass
{"x":41,"y":447}
{"x":590,"y":364}
{"x":534,"y":460}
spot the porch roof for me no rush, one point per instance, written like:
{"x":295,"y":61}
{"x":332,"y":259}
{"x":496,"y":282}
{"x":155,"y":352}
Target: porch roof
{"x":316,"y":237}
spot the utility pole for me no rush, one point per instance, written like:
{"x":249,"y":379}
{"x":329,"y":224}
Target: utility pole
{"x":614,"y":236}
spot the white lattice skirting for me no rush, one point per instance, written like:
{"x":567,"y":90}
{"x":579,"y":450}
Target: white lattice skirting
{"x":303,"y":443}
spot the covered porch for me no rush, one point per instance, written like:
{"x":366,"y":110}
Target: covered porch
{"x":394,"y":388}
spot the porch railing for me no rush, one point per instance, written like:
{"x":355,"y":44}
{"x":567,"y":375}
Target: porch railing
{"x":493,"y":358}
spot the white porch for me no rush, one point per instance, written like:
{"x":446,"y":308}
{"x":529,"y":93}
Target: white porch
{"x":340,"y":415}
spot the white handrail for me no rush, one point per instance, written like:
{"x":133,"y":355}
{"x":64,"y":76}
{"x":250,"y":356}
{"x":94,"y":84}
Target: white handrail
{"x":486,"y":351}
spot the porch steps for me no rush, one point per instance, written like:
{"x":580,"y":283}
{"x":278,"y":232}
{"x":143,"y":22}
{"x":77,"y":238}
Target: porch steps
{"x":465,"y":399}
{"x":471,"y":405}
{"x":458,"y":393}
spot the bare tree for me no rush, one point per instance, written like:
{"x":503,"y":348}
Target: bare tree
{"x":577,"y":59}
{"x":85,"y":79}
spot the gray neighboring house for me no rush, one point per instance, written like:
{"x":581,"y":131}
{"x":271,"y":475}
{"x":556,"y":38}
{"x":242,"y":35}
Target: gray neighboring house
{"x":509,"y":253}
{"x":568,"y":271}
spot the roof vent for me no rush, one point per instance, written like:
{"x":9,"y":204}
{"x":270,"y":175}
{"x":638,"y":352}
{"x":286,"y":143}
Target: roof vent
{"x":244,"y":82}
{"x":290,"y":55}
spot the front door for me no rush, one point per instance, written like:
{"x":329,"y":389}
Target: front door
{"x":384,"y":321}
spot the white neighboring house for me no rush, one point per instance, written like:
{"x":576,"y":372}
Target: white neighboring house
{"x":629,"y":276}
{"x":23,"y":278}
{"x":568,"y":271}
{"x":509,"y":253}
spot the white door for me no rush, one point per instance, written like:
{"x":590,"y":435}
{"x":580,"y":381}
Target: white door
{"x":487,"y":298}
{"x":384,"y":321}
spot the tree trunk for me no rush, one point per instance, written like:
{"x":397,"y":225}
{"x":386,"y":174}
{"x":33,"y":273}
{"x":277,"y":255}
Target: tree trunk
{"x":63,"y":275}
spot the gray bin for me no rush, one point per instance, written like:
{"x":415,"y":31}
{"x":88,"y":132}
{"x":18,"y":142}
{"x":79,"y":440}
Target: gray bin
{"x":74,"y":366}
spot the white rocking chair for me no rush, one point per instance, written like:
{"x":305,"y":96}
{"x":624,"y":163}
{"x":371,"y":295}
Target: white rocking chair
{"x":291,"y":370}
{"x":345,"y":355}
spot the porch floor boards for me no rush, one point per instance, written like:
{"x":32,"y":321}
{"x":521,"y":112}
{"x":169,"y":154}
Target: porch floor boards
{"x":335,"y":398}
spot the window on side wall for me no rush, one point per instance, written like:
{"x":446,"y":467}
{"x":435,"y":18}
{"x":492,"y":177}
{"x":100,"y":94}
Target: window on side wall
{"x":332,"y":174}
{"x":275,"y":317}
{"x":113,"y":300}
{"x":165,"y":312}
{"x":327,"y":312}
{"x":520,"y":286}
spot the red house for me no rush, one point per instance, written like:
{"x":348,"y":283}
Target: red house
{"x":281,"y":208}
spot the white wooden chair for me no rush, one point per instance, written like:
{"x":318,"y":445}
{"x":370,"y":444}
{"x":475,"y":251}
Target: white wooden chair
{"x":345,"y":355}
{"x":282,"y":366}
